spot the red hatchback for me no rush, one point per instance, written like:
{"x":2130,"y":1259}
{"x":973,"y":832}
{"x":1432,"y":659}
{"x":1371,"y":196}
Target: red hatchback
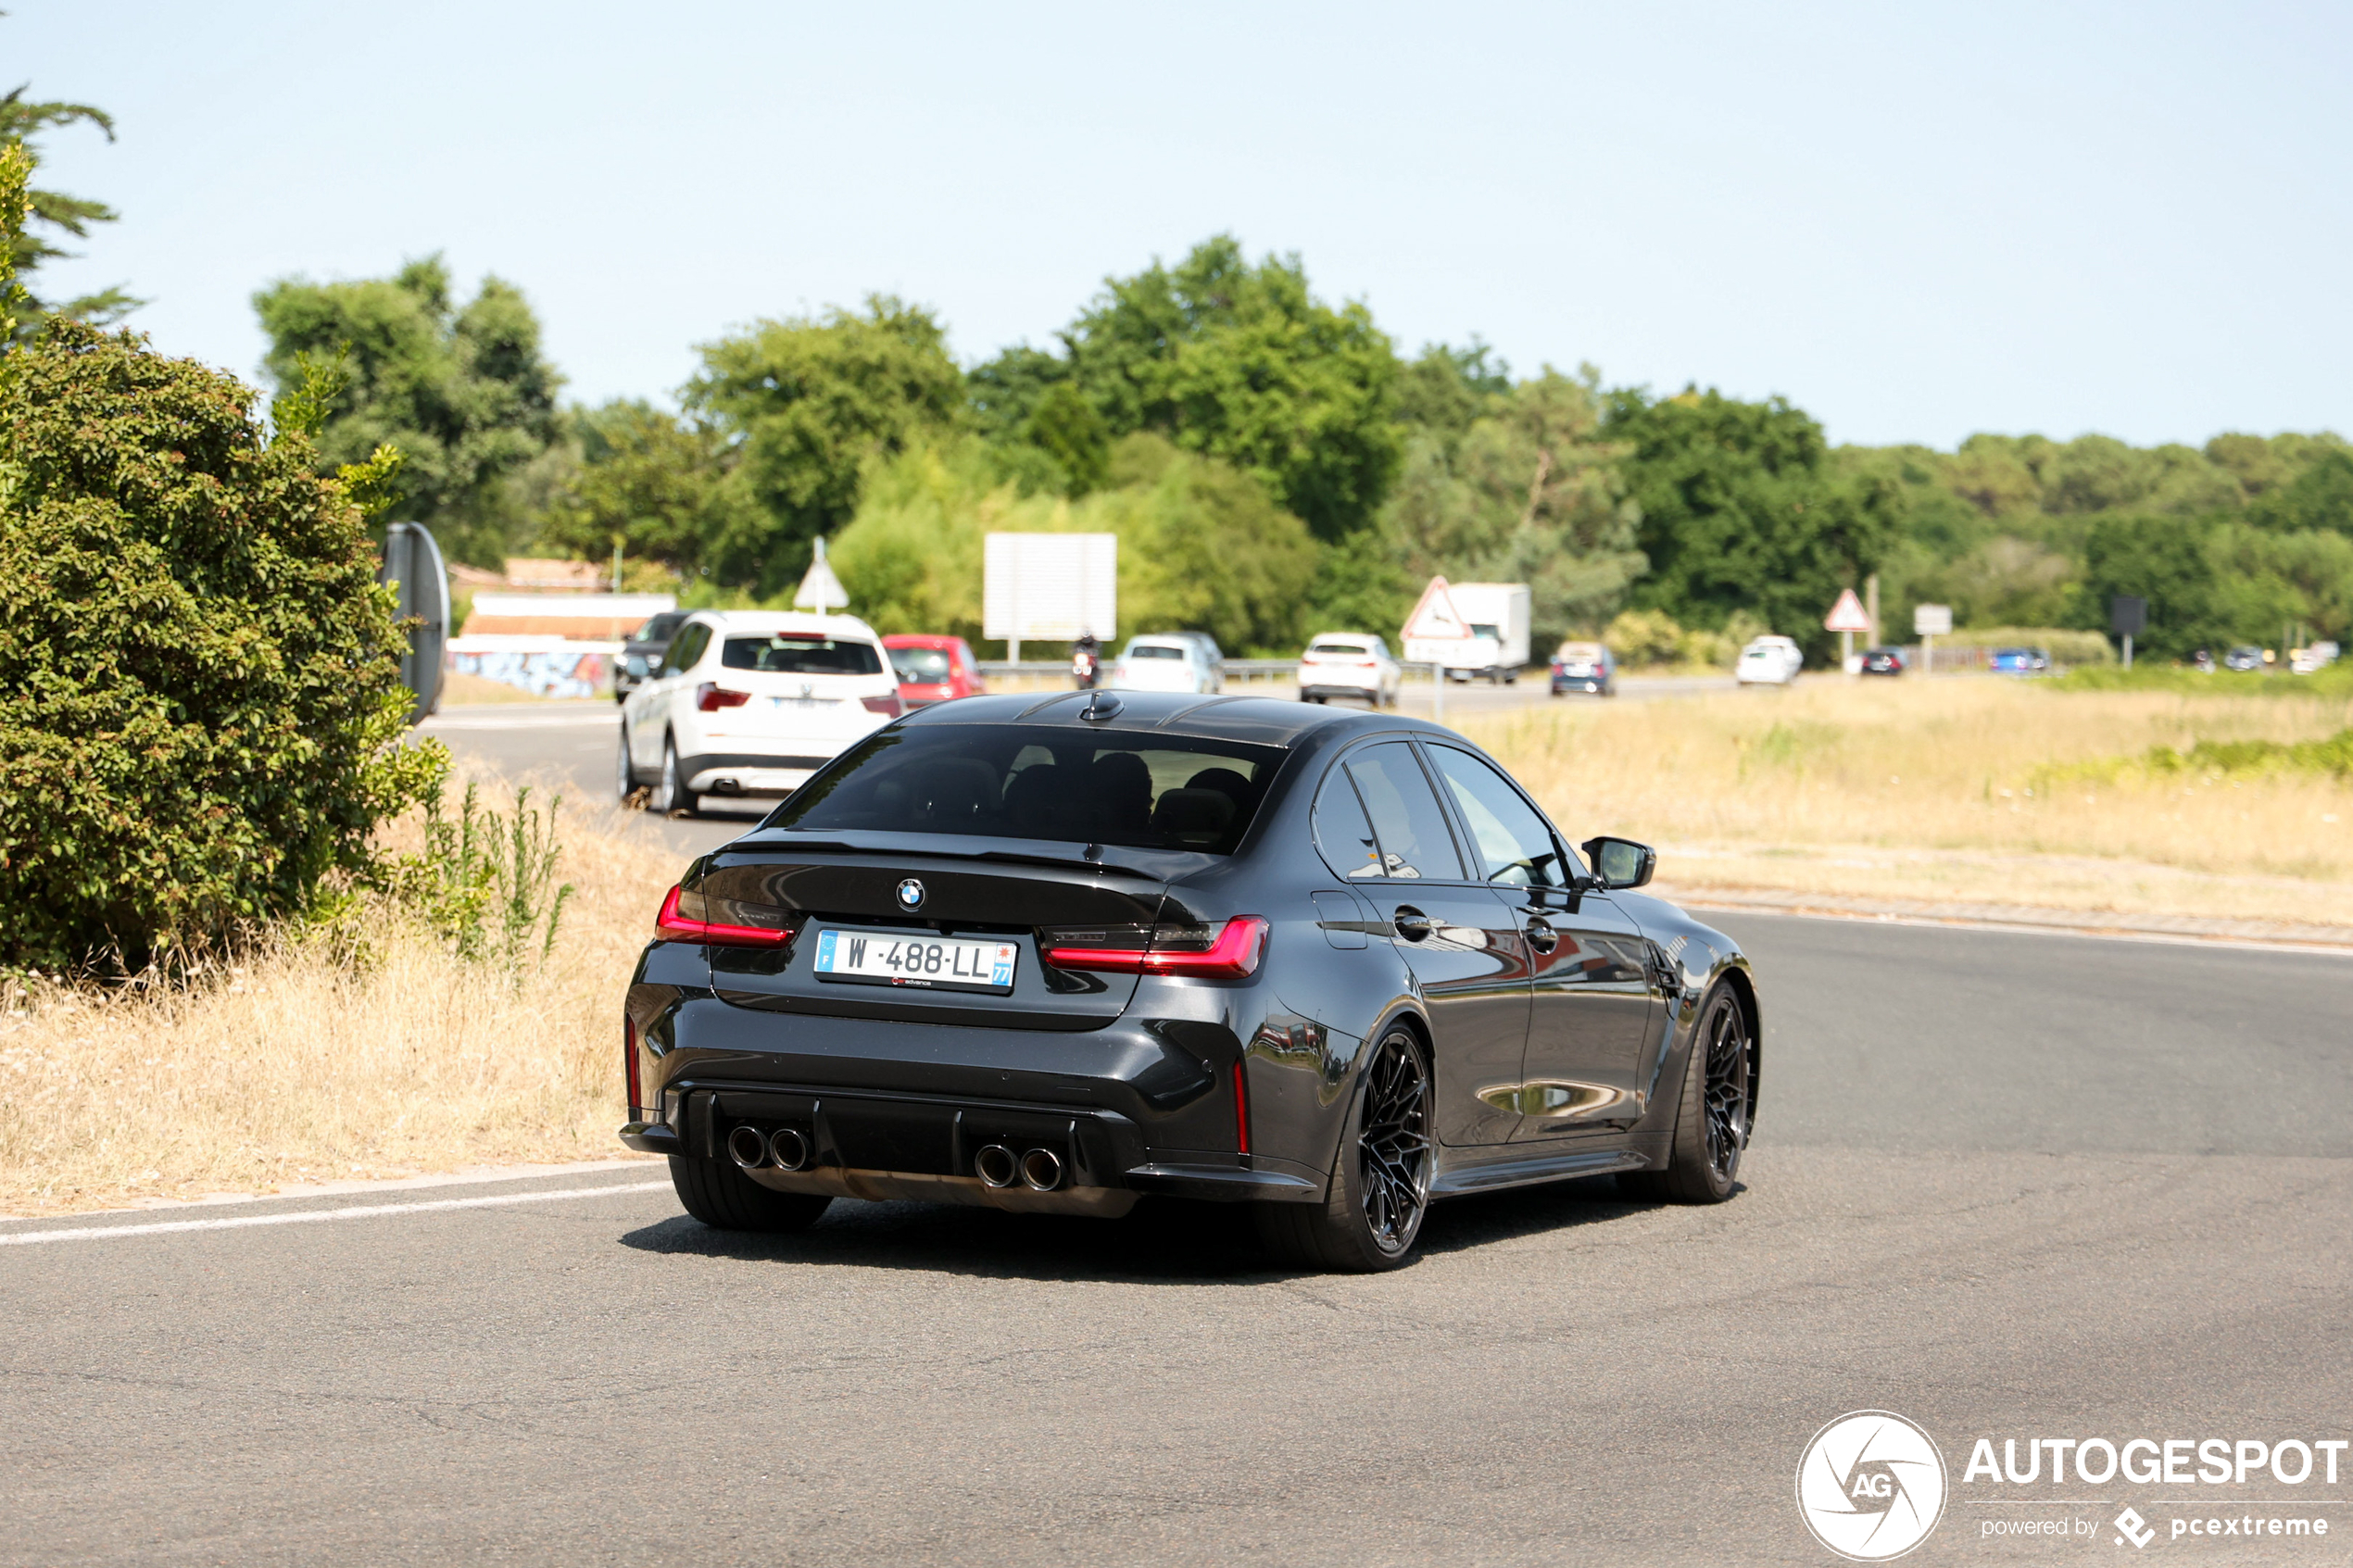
{"x":933,"y":669}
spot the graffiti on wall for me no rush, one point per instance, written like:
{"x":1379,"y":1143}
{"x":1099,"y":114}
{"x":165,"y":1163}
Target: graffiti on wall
{"x":568,"y":672}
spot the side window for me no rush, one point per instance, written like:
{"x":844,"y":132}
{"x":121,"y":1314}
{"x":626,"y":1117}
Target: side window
{"x":685,"y":649}
{"x":1412,"y":831}
{"x":1343,"y":836}
{"x":1515,"y":843}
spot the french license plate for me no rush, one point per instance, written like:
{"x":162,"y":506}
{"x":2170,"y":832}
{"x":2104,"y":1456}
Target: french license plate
{"x":945,"y":963}
{"x":800,"y":702}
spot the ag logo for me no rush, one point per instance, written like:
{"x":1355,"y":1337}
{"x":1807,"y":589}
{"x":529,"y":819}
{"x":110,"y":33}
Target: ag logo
{"x":1871,"y":1486}
{"x":911,"y":894}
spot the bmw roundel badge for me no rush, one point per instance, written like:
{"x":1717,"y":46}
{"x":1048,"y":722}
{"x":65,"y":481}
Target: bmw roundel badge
{"x":911,"y":894}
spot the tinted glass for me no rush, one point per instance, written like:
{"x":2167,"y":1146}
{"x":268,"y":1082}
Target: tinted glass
{"x":1154,"y":650}
{"x":1412,"y":830}
{"x":1513,"y":843}
{"x":920,"y":666}
{"x":659,"y":627}
{"x":1016,"y":781}
{"x":788,"y":653}
{"x":685,"y":649}
{"x":1341,"y":650}
{"x":1343,"y":836}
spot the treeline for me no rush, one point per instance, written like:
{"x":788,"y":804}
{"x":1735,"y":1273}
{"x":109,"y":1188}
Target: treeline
{"x":1273,"y":466}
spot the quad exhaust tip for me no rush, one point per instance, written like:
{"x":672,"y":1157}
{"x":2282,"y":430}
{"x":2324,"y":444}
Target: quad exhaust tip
{"x":747,"y":1147}
{"x":789,"y":1148}
{"x":996,"y":1166}
{"x":1041,"y":1170}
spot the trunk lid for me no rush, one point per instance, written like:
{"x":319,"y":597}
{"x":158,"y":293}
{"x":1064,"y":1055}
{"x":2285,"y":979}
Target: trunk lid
{"x":1019,"y":893}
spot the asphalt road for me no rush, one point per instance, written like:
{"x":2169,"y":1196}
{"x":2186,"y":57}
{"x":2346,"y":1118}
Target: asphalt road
{"x":2006,"y":1186}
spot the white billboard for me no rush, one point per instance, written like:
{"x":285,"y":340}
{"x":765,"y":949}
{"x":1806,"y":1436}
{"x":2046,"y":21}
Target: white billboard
{"x":1050,"y":587}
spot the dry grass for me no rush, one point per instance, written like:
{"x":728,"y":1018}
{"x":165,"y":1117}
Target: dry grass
{"x":298,"y":1066}
{"x":1940,"y":790}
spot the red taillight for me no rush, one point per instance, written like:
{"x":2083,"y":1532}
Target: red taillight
{"x":890,"y":705}
{"x":711,"y":697}
{"x":1241,"y":1108}
{"x":629,"y":1061}
{"x":1233,"y":955}
{"x":676,"y":924}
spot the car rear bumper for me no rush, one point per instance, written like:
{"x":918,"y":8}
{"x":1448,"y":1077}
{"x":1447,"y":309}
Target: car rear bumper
{"x":1327,"y":686}
{"x":746,"y":772}
{"x":903,"y":1110}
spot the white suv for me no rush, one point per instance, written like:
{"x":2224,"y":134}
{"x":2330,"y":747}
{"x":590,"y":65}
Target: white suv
{"x":751,"y":703}
{"x":1168,"y":661}
{"x":1348,"y":664}
{"x":1768,"y":661}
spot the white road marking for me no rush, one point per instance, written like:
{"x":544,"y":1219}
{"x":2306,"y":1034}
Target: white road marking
{"x":365,"y":1211}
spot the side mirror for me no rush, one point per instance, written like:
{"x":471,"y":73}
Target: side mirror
{"x":1619,"y":862}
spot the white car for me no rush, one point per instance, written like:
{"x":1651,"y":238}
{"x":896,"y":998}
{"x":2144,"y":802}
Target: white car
{"x":749,"y":703}
{"x":1168,"y":661}
{"x":1768,"y":661}
{"x":1348,"y":664}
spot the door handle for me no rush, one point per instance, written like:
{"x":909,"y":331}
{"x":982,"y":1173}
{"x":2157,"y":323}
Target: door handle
{"x":1542,"y":936}
{"x":1412,"y":925}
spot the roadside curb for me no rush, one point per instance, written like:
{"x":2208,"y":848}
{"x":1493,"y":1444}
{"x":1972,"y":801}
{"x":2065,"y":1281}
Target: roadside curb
{"x":2269,"y":935}
{"x":472,"y":1175}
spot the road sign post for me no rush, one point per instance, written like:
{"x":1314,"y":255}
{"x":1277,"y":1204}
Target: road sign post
{"x":1930,"y":623}
{"x":1049,"y":586}
{"x":820,"y":590}
{"x":2128,"y":614}
{"x":1846,"y":618}
{"x":1434,"y":624}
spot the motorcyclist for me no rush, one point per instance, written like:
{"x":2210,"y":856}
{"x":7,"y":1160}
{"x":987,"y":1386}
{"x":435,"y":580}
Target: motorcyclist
{"x":1086,"y":660}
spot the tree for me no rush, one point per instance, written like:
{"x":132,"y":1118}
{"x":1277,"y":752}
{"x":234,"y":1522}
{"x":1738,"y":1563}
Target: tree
{"x":1201,"y":544}
{"x":1233,"y":361}
{"x":1526,"y":490}
{"x":200,"y":679}
{"x":647,"y":480}
{"x":20,"y":122}
{"x":2320,"y":496}
{"x":807,"y":405}
{"x":1741,"y":511}
{"x":463,"y":393}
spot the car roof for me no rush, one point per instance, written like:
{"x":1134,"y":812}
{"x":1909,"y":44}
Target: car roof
{"x":1258,"y":719}
{"x":1362,"y":639}
{"x":1182,"y":637}
{"x":756,"y":621}
{"x":920,"y":640}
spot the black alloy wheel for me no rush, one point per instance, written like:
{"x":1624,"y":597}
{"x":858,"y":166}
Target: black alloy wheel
{"x":624,"y":779}
{"x":1379,"y":1191}
{"x":1718,"y":1108}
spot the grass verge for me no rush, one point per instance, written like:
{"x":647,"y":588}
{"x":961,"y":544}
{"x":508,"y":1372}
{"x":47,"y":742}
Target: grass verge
{"x":368,"y":1049}
{"x":1963,"y":789}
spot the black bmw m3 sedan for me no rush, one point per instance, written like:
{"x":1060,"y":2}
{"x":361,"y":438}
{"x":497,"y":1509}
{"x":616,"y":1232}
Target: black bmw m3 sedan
{"x":1053,"y":954}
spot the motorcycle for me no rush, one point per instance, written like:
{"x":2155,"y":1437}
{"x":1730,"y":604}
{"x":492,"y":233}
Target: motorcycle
{"x":1083,"y":667}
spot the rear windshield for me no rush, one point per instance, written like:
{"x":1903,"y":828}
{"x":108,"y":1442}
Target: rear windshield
{"x":1018,"y":781}
{"x":1154,"y":650}
{"x":788,"y":653}
{"x":1345,"y":650}
{"x":920,"y":666}
{"x":1580,"y":650}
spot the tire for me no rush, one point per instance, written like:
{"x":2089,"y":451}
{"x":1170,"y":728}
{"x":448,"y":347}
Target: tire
{"x":724,"y":1198}
{"x":624,"y":777}
{"x":1368,"y":1226}
{"x":671,"y":796}
{"x":1717,"y":1112}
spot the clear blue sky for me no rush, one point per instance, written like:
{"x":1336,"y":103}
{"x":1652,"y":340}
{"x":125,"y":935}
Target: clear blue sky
{"x":1914,"y":220}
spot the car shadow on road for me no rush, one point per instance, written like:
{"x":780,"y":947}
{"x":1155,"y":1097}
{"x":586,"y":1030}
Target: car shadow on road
{"x":1164,"y":1240}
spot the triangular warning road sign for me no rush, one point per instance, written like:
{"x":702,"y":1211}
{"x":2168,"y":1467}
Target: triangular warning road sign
{"x":1847,"y":614}
{"x":820,"y":589}
{"x":1435,"y":616}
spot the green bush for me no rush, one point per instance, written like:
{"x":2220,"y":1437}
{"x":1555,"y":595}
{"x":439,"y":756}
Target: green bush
{"x":2073,"y":649}
{"x":199,"y":682}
